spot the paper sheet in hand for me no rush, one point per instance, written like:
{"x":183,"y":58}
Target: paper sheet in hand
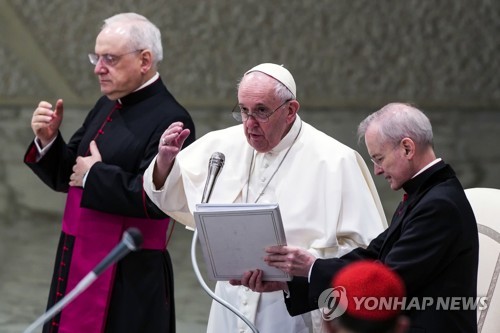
{"x":233,"y":239}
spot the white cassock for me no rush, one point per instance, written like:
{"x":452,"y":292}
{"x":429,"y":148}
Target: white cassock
{"x":328,"y":203}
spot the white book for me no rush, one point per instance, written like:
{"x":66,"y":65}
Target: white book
{"x":233,"y":238}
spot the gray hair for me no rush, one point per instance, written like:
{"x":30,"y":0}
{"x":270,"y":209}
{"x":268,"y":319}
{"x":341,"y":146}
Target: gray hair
{"x":280,"y":90}
{"x":398,"y":121}
{"x":142,"y":33}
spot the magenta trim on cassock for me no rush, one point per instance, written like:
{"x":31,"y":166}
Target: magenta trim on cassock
{"x":96,"y":234}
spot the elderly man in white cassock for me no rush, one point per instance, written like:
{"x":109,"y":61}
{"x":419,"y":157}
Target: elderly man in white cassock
{"x":328,"y":202}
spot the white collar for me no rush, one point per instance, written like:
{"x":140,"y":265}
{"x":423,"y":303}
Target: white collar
{"x":145,"y":84}
{"x":289,"y":138}
{"x":148,"y":82}
{"x":427,"y":166}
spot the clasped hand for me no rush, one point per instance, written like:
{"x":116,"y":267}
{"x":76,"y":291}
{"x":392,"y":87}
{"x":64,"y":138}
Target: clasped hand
{"x":292,"y":260}
{"x":83,"y":165}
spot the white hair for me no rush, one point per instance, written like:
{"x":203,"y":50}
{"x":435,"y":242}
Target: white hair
{"x":143,"y":34}
{"x":398,"y":121}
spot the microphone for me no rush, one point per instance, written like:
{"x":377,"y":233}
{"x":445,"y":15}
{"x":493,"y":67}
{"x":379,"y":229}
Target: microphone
{"x":215,"y":165}
{"x":131,"y":241}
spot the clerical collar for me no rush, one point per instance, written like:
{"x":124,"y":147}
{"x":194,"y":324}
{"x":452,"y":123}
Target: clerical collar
{"x":289,"y":138}
{"x":427,"y":167}
{"x":147,"y":83}
{"x":414,"y":184}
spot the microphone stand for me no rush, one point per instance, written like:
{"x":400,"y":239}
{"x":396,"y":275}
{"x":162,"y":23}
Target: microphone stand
{"x":79,"y":288}
{"x":210,"y":292}
{"x":214,"y":169}
{"x":131,"y":241}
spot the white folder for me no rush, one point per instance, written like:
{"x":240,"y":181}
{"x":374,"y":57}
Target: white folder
{"x":233,"y":238}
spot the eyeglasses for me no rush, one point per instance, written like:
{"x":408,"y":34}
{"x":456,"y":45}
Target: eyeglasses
{"x":108,"y":59}
{"x":377,"y":161}
{"x":262,"y":114}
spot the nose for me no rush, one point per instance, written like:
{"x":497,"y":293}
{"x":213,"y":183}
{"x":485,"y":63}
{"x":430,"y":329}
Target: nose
{"x":100,"y":67}
{"x":251,"y":121}
{"x":378,"y":170}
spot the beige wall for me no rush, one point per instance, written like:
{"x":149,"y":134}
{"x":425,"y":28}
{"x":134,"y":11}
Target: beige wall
{"x":343,"y":53}
{"x":349,"y":57}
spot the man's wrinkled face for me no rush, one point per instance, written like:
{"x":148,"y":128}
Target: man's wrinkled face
{"x":256,"y":94}
{"x":123,"y":75}
{"x":388,"y":159}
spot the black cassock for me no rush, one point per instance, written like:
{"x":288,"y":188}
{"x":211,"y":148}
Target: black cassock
{"x":141,"y":298}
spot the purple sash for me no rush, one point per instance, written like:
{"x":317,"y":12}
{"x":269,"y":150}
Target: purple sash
{"x":96,"y":234}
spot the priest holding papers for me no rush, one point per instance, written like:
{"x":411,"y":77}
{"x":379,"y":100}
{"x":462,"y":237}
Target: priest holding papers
{"x":328,"y":201}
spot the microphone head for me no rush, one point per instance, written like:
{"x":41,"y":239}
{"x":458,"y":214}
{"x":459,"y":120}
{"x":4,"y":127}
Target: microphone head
{"x":132,"y":237}
{"x":215,"y":165}
{"x":217,"y":159}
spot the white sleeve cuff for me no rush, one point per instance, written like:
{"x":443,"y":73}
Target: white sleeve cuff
{"x":310,"y":271}
{"x":44,"y":150}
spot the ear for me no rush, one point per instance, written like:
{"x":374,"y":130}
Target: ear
{"x":293,"y":108}
{"x":408,"y":146}
{"x":146,"y":59}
